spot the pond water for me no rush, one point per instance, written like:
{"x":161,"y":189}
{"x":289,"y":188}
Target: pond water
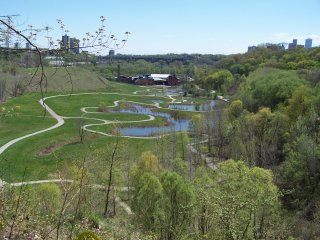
{"x":174,"y":90}
{"x":152,"y":131}
{"x":194,"y":107}
{"x":156,"y":101}
{"x":174,"y":124}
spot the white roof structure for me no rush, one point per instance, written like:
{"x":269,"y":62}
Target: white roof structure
{"x":159,"y":79}
{"x":162,"y":76}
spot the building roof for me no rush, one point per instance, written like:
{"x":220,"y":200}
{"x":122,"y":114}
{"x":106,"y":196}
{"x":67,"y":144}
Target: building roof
{"x":160,"y":76}
{"x":158,"y":79}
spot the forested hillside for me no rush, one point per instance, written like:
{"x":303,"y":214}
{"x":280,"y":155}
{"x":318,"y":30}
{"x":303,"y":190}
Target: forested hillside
{"x":247,"y":169}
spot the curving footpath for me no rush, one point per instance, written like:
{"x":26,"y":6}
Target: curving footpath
{"x":59,"y":123}
{"x":60,"y":119}
{"x":118,"y":200}
{"x":106,"y":122}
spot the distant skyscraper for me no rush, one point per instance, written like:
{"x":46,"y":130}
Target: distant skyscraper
{"x":65,"y":42}
{"x":111,"y":52}
{"x":308,"y":43}
{"x":293,"y":44}
{"x":70,"y":44}
{"x":74,"y":45}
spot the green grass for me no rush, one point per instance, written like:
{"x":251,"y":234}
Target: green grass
{"x":66,"y":80}
{"x":110,"y":127}
{"x":72,"y":104}
{"x":25,"y":156}
{"x":26,"y":117}
{"x":115,"y":116}
{"x":29,"y":157}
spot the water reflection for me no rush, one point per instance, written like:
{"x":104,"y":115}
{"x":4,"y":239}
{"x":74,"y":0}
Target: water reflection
{"x":194,"y":107}
{"x":156,"y":101}
{"x":172,"y":123}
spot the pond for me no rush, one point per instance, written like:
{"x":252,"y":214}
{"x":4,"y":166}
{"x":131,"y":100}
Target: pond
{"x":194,"y":107}
{"x":156,"y":101}
{"x":152,"y":131}
{"x":173,"y":124}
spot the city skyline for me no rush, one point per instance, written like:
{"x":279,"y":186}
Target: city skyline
{"x":181,"y":26}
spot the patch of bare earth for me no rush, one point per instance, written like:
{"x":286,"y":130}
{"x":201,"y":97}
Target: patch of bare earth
{"x":55,"y":146}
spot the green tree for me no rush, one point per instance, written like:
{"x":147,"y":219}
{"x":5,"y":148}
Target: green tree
{"x":219,"y":81}
{"x":300,"y":175}
{"x":269,"y":87}
{"x":299,"y":104}
{"x":147,"y":202}
{"x":178,"y":206}
{"x":235,"y":109}
{"x":205,"y":219}
{"x":244,"y":202}
{"x":149,"y":163}
{"x":265,"y":133}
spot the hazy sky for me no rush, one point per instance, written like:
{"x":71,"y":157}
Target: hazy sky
{"x":178,"y":26}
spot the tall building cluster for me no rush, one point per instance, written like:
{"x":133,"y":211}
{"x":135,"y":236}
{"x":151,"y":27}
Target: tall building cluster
{"x":293,"y":45}
{"x":70,"y":44}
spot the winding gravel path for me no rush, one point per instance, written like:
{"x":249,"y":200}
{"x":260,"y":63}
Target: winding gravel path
{"x":208,"y":160}
{"x":60,"y":119}
{"x":118,"y":200}
{"x":59,"y":123}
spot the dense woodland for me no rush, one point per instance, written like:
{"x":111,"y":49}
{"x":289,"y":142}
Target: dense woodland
{"x":265,"y":144}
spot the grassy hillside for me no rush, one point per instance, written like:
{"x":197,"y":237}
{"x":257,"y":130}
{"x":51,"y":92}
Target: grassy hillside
{"x":43,"y":155}
{"x":66,"y":79}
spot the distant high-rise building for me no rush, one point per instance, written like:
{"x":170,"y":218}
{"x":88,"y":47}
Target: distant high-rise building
{"x":74,"y":45}
{"x":16,"y":45}
{"x":28,"y":46}
{"x":293,"y":45}
{"x":65,"y":44}
{"x":70,"y":44}
{"x":308,"y":43}
{"x":295,"y":42}
{"x":111,"y":52}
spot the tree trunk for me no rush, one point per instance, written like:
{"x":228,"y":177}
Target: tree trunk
{"x":110,"y":177}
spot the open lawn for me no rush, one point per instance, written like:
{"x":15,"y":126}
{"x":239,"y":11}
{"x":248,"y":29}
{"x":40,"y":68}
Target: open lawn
{"x":41,"y":156}
{"x":22,"y":115}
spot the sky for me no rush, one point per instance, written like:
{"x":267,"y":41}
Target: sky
{"x":176,"y":26}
